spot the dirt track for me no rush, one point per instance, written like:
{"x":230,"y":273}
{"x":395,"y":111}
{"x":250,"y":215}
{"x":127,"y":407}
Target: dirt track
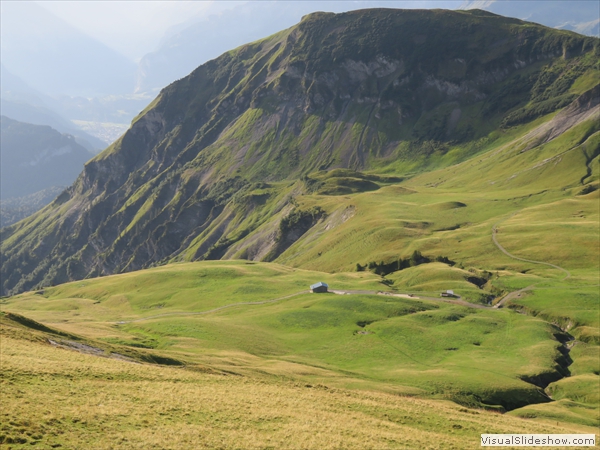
{"x":456,"y":300}
{"x":518,"y":293}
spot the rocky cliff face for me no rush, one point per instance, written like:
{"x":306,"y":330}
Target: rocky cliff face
{"x":221,"y":153}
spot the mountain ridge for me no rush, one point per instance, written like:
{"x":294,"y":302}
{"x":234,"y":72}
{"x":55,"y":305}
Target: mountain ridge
{"x":224,"y":151}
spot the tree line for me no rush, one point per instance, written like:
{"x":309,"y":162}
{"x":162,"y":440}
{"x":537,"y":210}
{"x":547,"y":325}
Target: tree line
{"x":415,"y":259}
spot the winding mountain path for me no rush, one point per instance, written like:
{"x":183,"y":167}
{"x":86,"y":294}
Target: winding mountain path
{"x":518,"y":293}
{"x":457,"y":300}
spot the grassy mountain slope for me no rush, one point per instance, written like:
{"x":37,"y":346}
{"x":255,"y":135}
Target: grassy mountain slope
{"x":216,"y":162}
{"x":451,"y":211}
{"x":125,"y":405}
{"x":14,"y":209}
{"x":415,"y":346}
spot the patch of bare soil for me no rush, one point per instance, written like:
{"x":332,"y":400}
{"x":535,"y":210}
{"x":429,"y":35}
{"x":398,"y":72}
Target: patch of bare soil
{"x":88,"y":349}
{"x":82,"y":348}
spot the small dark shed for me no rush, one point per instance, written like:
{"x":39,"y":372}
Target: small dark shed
{"x":318,"y":287}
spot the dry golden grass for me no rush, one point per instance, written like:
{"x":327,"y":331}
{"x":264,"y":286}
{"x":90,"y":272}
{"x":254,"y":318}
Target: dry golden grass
{"x":54,"y":396}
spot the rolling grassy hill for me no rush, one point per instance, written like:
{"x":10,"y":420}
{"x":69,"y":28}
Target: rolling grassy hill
{"x":256,"y":318}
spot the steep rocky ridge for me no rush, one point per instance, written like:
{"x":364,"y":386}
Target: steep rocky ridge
{"x":219,"y":156}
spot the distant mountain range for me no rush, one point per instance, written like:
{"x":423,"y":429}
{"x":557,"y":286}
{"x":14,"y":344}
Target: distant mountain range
{"x":36,"y":157}
{"x":21,"y":102}
{"x":17,"y":208}
{"x":53,"y":73}
{"x":212,"y":168}
{"x":581,"y":16}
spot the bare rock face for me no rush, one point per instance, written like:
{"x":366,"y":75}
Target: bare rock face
{"x":199,"y":175}
{"x":584,"y":107}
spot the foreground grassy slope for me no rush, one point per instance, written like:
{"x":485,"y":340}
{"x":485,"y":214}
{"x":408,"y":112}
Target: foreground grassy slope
{"x":410,"y":346}
{"x":53,"y":396}
{"x":179,"y":288}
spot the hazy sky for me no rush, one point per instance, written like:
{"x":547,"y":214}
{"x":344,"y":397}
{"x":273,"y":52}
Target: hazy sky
{"x":132,"y":27}
{"x":135,"y":27}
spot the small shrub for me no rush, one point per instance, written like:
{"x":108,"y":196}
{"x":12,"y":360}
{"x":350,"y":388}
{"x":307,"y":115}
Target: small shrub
{"x":299,"y":218}
{"x":445,"y":260}
{"x":587,"y":189}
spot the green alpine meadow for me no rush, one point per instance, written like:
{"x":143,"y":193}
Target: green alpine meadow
{"x":438,"y":170}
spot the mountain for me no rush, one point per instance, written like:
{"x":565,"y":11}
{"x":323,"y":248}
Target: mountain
{"x":44,"y":116}
{"x":581,"y":16}
{"x":17,"y":208}
{"x":56,"y":58}
{"x":25,"y":104}
{"x":186,"y":46}
{"x":36,"y":157}
{"x":228,"y":162}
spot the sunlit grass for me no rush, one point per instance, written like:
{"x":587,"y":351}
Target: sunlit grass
{"x":55,"y":397}
{"x":432,"y":348}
